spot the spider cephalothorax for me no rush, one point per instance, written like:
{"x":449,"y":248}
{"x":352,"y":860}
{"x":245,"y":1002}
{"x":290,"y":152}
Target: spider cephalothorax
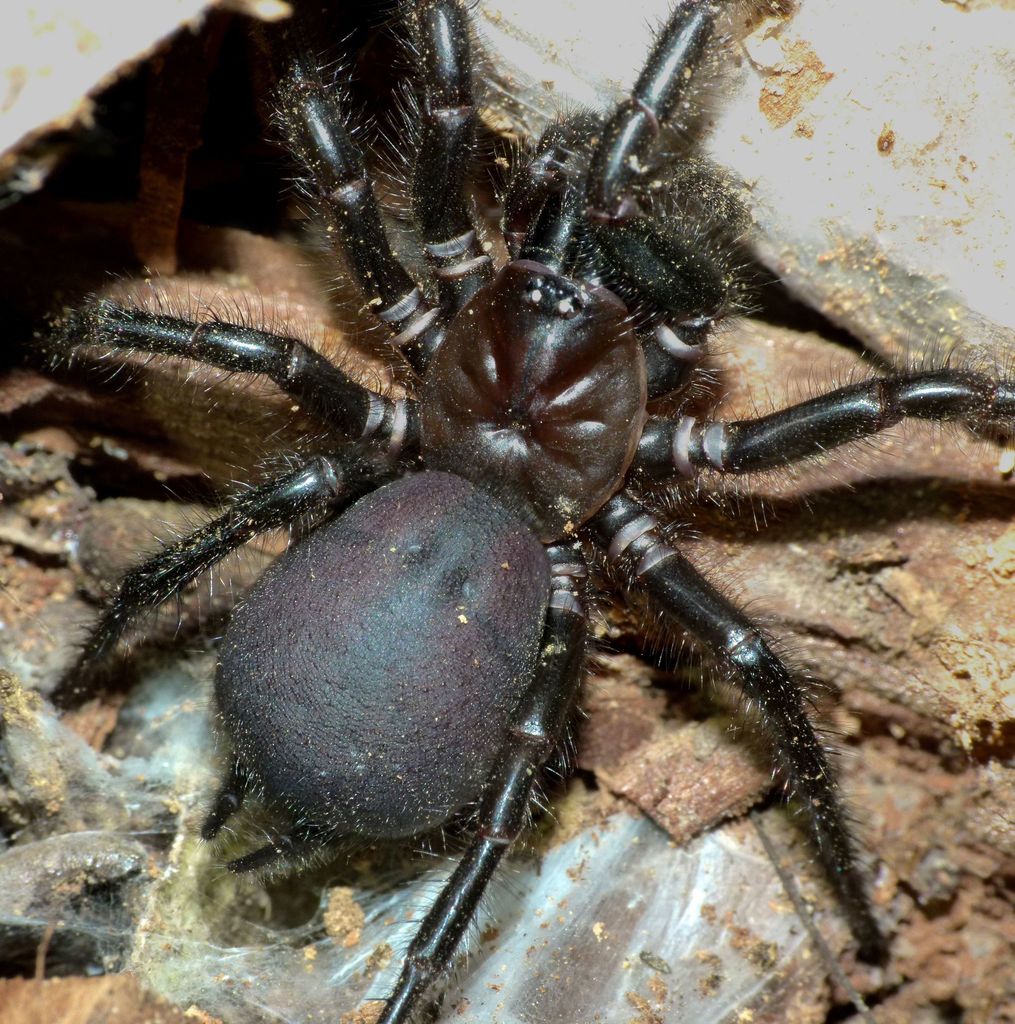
{"x":418,"y":653}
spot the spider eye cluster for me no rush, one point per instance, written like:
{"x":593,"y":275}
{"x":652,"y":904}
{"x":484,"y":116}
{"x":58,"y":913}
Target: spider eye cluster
{"x":551,"y":294}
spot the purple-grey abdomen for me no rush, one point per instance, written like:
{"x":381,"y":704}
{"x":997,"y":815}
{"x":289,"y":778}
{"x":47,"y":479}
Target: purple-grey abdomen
{"x":368,"y":678}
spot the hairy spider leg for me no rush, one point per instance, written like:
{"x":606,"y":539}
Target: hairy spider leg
{"x":536,"y":732}
{"x":440,"y":36}
{"x":683,"y":446}
{"x":316,"y":384}
{"x":629,"y":138}
{"x":312,"y":119}
{"x":632,"y":540}
{"x":667,"y":266}
{"x":322,"y":484}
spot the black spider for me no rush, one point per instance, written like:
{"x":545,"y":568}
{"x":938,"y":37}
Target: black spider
{"x":418,"y":653}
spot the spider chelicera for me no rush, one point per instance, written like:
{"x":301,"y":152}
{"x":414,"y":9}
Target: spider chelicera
{"x":418,"y":653}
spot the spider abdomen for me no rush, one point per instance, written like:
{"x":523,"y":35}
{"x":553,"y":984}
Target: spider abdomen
{"x":368,"y":678}
{"x":538,"y":392}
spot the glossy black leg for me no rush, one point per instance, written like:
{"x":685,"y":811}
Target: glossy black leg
{"x":228,"y":801}
{"x":440,"y":35}
{"x":668,"y":264}
{"x":671,"y":354}
{"x":629,"y":138}
{"x":312,"y":119}
{"x":685,"y":446}
{"x":631,"y":539}
{"x":315,"y":383}
{"x":536,"y":731}
{"x":324,"y":483}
